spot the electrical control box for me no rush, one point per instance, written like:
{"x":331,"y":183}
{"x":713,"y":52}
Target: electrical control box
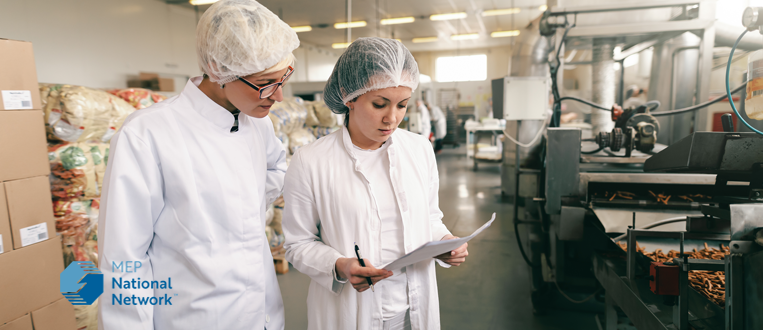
{"x":525,"y":98}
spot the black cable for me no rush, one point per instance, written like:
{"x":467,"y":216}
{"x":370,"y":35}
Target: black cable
{"x":519,"y":240}
{"x":656,"y":104}
{"x":698,"y":106}
{"x":584,"y":102}
{"x":592,"y":151}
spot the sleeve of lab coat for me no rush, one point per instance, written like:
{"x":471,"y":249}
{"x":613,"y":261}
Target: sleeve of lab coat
{"x":131,"y":202}
{"x":304,"y":248}
{"x":435,"y":214}
{"x":276,"y":166}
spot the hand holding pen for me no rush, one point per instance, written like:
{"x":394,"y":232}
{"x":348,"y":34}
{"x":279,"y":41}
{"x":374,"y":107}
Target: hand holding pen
{"x":361,"y":277}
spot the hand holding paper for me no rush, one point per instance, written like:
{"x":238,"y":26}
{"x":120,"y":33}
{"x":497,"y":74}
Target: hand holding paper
{"x":455,"y":257}
{"x":434,"y":249}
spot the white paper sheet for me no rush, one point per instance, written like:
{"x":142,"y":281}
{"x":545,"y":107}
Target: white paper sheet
{"x":433,"y":249}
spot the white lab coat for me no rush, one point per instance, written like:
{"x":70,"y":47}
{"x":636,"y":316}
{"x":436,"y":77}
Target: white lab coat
{"x":187,"y":198}
{"x":329,"y":207}
{"x":440,"y":123}
{"x":426,"y":122}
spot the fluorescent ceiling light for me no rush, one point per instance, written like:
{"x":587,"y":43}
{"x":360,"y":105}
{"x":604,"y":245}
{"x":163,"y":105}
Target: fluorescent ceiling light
{"x":350,"y":25}
{"x":464,"y":36}
{"x":543,"y":8}
{"x":497,"y":12}
{"x":399,"y":20}
{"x":340,"y":45}
{"x":445,"y":17}
{"x":427,"y":39}
{"x":202,"y":2}
{"x":499,"y":34}
{"x":302,"y":28}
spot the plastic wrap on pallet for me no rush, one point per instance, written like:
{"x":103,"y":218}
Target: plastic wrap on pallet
{"x":80,"y":114}
{"x":139,"y":98}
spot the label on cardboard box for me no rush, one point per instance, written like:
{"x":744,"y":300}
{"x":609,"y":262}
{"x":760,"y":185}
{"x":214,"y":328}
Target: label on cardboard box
{"x":34,"y":234}
{"x":16,"y":100}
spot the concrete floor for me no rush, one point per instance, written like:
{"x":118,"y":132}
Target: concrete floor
{"x":492,"y":289}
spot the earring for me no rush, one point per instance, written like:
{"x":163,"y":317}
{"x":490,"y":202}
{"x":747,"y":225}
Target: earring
{"x":222,"y":86}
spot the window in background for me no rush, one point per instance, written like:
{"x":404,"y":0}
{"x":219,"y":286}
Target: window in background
{"x":461,"y":68}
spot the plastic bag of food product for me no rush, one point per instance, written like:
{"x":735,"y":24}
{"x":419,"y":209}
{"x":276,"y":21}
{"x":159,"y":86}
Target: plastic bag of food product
{"x":319,"y":131}
{"x":325,"y":116}
{"x":139,"y":98}
{"x":276,"y":123}
{"x":69,"y":171}
{"x":76,"y":222}
{"x":78,"y":114}
{"x":77,"y":170}
{"x":291,"y":114}
{"x":269,"y":215}
{"x":98,"y":154}
{"x":311,"y":119}
{"x":86,"y":316}
{"x":299,"y":138}
{"x":275,"y":239}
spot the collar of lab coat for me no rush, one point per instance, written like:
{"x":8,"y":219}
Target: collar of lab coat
{"x":207,"y":108}
{"x":347,"y":142}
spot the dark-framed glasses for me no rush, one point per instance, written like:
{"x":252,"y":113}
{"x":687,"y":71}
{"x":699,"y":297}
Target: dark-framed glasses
{"x":268,"y":90}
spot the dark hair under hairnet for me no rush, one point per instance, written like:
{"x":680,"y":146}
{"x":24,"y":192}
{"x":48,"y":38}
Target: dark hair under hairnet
{"x":369,"y":64}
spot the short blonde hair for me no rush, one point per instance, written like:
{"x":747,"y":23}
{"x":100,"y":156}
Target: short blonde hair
{"x":283,"y":64}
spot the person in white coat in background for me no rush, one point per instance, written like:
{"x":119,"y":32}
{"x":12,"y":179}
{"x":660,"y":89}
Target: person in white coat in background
{"x":188,"y":183}
{"x":371,"y":184}
{"x":440,"y":126}
{"x":426,"y":120}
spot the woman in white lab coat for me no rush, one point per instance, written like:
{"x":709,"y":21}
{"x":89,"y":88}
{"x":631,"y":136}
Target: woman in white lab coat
{"x":369,"y":184}
{"x":426,"y":121}
{"x":188,"y":182}
{"x":440,"y":126}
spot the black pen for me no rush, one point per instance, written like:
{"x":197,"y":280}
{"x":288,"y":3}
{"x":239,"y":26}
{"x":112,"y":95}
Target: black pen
{"x":363,"y":264}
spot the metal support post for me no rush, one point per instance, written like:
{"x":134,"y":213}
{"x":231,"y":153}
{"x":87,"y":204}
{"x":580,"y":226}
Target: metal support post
{"x":734,"y":292}
{"x":681,"y":310}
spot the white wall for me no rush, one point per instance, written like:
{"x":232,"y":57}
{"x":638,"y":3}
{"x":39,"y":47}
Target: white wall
{"x":473,"y":93}
{"x":314,"y":63}
{"x":99,"y":43}
{"x":102,"y":43}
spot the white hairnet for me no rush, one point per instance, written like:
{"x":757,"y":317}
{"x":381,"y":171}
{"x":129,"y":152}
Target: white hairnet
{"x":240,"y":38}
{"x":369,"y":64}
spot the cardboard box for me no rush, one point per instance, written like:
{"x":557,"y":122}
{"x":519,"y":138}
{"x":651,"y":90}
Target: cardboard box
{"x":23,"y":145}
{"x":153,"y":82}
{"x":18,"y":76}
{"x":57,"y":316}
{"x":6,"y":241}
{"x":30,"y":278}
{"x":21,"y":323}
{"x":30,"y":210}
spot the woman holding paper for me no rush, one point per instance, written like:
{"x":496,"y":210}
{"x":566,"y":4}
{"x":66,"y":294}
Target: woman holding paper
{"x":369,"y":184}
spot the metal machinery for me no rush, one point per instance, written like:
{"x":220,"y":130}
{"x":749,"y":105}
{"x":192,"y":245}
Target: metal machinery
{"x":625,"y":186}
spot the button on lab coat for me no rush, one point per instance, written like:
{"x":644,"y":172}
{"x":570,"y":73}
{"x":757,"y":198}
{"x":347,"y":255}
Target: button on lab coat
{"x":329,"y":206}
{"x":187,"y":198}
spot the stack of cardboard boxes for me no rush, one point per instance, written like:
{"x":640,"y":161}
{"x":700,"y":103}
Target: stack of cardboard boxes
{"x":31,"y":259}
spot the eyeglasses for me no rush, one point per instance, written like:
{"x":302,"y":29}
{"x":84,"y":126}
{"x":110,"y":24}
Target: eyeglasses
{"x":269,"y":90}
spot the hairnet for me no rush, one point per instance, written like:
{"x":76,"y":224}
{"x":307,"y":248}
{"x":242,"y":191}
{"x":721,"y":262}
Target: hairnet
{"x":240,"y":38}
{"x":369,"y":64}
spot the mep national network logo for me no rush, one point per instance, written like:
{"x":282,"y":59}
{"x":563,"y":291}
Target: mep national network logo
{"x":81,"y":283}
